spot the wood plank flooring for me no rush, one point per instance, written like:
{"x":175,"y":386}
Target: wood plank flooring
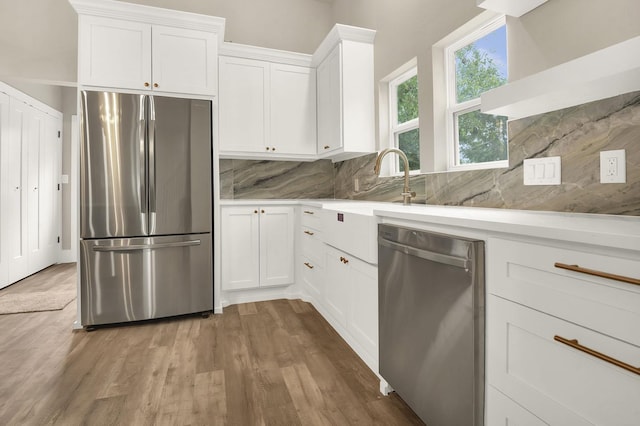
{"x":268,"y":363}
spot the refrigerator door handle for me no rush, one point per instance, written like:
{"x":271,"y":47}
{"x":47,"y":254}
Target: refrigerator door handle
{"x":152,"y":165}
{"x":137,"y":247}
{"x":142,"y":124}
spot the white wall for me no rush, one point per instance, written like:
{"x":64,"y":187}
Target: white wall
{"x":561,"y":30}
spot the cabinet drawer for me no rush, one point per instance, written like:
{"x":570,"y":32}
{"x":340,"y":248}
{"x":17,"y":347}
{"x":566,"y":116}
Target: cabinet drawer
{"x":312,"y":277}
{"x":312,"y":245}
{"x":502,"y":410}
{"x":310,"y":217}
{"x":525,"y":273}
{"x":560,"y":384}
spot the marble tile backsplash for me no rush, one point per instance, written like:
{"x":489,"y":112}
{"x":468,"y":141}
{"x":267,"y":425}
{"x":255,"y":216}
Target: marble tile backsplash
{"x":577,"y":134}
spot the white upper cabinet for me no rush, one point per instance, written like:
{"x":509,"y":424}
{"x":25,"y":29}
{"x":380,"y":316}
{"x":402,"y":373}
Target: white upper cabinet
{"x":267,"y":109}
{"x":128,"y":46}
{"x":289,"y":106}
{"x":114,"y":53}
{"x":293,"y":109}
{"x":244,"y":106}
{"x":345,"y":93}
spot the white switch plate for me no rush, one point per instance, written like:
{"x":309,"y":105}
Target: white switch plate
{"x":542,"y":171}
{"x":612,"y":166}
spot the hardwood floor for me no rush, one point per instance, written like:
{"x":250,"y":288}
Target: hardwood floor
{"x":267,"y":363}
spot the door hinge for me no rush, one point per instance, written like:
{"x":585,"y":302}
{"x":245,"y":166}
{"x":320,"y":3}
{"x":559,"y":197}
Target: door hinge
{"x":58,"y":239}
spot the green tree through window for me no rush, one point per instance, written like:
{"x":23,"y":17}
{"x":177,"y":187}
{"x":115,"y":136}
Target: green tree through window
{"x":408,"y":140}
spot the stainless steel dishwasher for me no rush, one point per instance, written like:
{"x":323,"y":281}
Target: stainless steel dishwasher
{"x":431,"y":321}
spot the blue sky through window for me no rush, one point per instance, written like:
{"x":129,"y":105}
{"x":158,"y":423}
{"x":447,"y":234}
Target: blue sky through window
{"x":495,"y":45}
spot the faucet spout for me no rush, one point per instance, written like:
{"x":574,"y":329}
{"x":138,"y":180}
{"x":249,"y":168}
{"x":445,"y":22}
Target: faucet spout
{"x":406,"y":192}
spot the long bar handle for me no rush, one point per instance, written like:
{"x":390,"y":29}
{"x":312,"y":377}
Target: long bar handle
{"x":576,"y":345}
{"x":446,"y":259}
{"x":137,"y":247}
{"x":142,"y":149}
{"x":308,"y":265}
{"x":308,"y":212}
{"x":152,"y":159}
{"x":601,"y":274}
{"x":308,"y":232}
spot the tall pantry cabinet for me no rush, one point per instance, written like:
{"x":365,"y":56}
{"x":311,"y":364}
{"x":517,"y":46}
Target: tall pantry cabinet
{"x":30,"y":154}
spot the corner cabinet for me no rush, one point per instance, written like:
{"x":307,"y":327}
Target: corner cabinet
{"x":267,"y":109}
{"x":127,"y":46}
{"x":258,"y":246}
{"x":345,"y":93}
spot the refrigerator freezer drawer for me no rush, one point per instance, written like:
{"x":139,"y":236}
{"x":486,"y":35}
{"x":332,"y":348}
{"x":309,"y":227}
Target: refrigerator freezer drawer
{"x":133,"y":279}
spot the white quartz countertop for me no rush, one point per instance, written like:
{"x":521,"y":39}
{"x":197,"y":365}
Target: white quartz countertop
{"x":601,"y":230}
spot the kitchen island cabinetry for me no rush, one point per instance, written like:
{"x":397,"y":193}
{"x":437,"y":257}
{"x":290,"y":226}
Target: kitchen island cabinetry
{"x":258,"y":246}
{"x":267,"y":110}
{"x":128,"y":46}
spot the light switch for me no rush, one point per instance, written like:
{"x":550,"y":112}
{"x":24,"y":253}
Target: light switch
{"x":542,"y":171}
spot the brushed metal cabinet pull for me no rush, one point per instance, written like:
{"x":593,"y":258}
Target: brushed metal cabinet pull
{"x":308,"y":232}
{"x":595,"y":273}
{"x":308,"y":265}
{"x":308,"y":212}
{"x":576,"y":345}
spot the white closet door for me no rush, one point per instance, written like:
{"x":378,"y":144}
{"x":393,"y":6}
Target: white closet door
{"x":16,"y":206}
{"x":48,"y":191}
{"x":4,"y":189}
{"x":35,"y":142}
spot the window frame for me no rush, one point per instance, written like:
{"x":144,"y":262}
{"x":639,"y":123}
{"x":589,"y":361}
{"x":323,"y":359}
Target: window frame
{"x":395,"y":128}
{"x":453,"y":108}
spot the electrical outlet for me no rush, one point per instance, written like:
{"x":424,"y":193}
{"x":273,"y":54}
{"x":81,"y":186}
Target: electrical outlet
{"x":612,"y":166}
{"x":356,"y":184}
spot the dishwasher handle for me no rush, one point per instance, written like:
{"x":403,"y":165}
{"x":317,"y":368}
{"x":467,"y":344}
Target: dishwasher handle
{"x":446,"y":259}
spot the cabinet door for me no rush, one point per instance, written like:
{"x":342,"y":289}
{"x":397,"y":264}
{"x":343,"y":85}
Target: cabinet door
{"x":4,"y":189}
{"x":16,"y":207}
{"x":184,"y":61}
{"x":363,"y":305}
{"x":114,"y":53}
{"x":240,"y":248}
{"x":336,"y":285}
{"x":276,"y":246}
{"x":329,"y":102}
{"x":293,"y":109}
{"x":244,"y":121}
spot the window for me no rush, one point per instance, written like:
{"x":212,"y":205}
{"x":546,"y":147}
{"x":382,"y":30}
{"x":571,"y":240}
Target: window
{"x":404,"y":130}
{"x":474,"y":64}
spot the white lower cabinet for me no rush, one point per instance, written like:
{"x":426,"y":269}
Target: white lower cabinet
{"x":336,"y":285}
{"x":351,"y":299}
{"x":558,"y":340}
{"x":502,"y":410}
{"x":257,"y":247}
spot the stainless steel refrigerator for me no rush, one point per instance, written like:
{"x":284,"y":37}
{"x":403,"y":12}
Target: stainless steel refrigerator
{"x":145,"y":207}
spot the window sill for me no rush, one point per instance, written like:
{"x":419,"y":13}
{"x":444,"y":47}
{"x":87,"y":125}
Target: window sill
{"x":479,"y":166}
